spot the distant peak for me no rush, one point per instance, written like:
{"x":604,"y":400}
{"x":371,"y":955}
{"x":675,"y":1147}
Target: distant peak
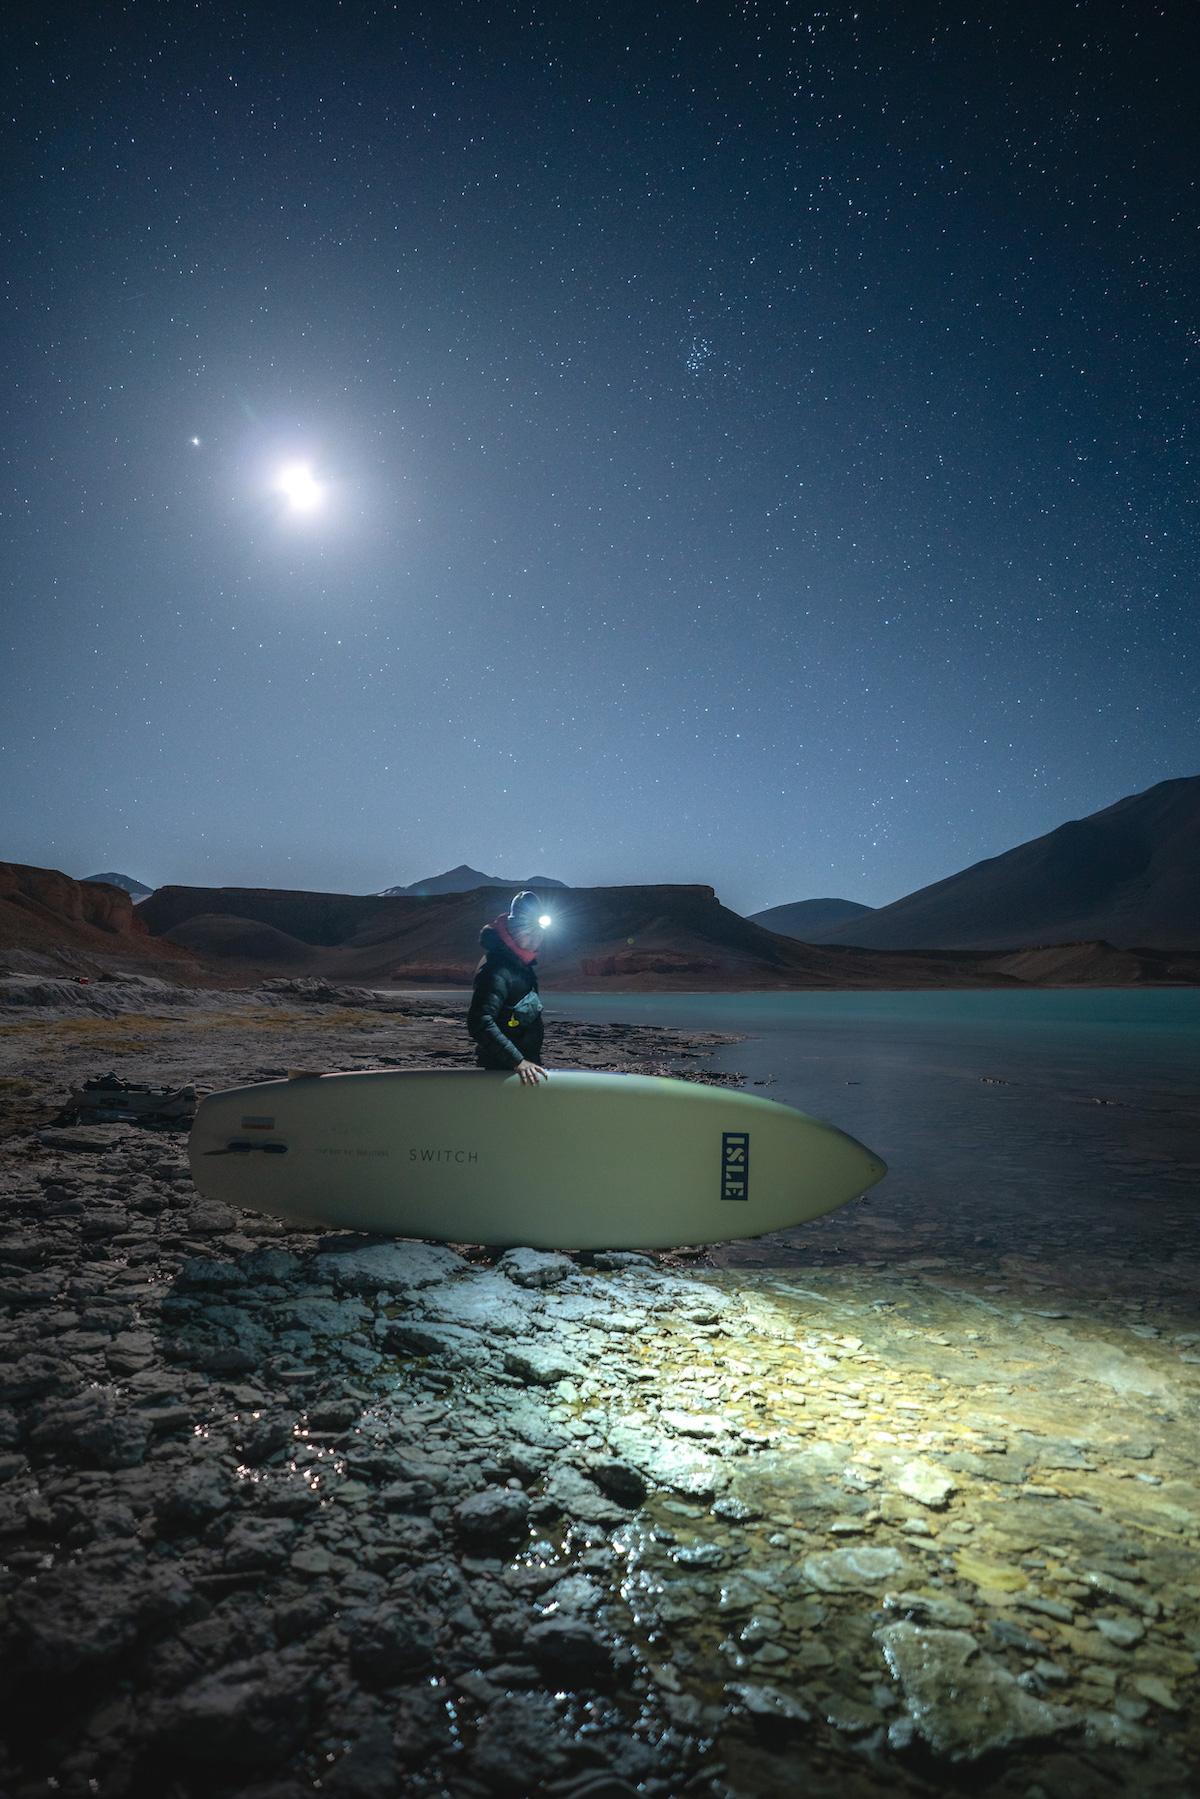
{"x":138,"y":889}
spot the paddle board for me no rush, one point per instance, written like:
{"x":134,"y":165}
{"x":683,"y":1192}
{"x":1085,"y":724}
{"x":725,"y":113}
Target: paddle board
{"x":581,"y":1161}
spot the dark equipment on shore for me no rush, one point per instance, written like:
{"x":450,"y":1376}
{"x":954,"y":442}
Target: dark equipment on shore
{"x":107,"y":1099}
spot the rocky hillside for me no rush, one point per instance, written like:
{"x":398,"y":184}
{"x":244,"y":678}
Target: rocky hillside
{"x":1129,"y":874}
{"x":46,"y":914}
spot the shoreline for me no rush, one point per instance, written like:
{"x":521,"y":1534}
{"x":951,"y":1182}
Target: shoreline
{"x":849,"y":1511}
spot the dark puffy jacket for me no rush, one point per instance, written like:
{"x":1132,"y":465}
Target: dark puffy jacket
{"x":502,"y":981}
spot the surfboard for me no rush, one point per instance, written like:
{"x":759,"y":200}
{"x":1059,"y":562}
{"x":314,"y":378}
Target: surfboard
{"x":582,"y":1161}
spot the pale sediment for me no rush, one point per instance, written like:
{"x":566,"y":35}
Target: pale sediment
{"x":281,"y":1509}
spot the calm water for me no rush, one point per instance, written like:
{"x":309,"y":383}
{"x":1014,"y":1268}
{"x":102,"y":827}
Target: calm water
{"x":1000,"y":1108}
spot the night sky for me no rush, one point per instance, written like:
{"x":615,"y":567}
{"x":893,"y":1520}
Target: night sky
{"x":692,"y":442}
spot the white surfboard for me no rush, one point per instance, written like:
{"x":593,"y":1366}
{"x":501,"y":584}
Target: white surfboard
{"x":582,"y":1161}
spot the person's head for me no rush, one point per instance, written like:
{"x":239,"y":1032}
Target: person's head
{"x":523,"y":916}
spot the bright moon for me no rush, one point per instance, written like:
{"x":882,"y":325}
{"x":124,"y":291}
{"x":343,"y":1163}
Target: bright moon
{"x":297,"y":486}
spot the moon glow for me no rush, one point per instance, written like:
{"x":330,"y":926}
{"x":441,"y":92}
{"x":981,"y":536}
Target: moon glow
{"x":298,"y":487}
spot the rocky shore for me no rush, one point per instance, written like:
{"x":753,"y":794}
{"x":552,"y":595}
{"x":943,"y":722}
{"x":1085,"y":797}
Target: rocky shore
{"x":285,"y":1512}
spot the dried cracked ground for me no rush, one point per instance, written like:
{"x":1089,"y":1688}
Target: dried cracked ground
{"x":286,"y":1513}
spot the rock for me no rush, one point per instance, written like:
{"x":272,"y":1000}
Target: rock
{"x":249,"y":1713}
{"x":535,"y":1267}
{"x":928,"y":1485}
{"x":930,"y":1608}
{"x":668,"y":1463}
{"x":694,"y":1424}
{"x":88,"y":1432}
{"x":368,"y":1768}
{"x":769,"y":1703}
{"x":258,"y":1543}
{"x":456,"y":1347}
{"x":1124,"y":1632}
{"x":397,"y":1265}
{"x":35,"y":1376}
{"x":200,"y":1496}
{"x":962,"y":1702}
{"x":570,"y":1492}
{"x":389,"y":1641}
{"x":204,"y":1274}
{"x":497,"y":1516}
{"x":623,"y":1482}
{"x":568,"y":1643}
{"x":520,"y":1745}
{"x":264,"y":1436}
{"x":68,"y":1620}
{"x":484,"y":1303}
{"x":274,"y":1267}
{"x":862,"y":1569}
{"x":540,"y":1365}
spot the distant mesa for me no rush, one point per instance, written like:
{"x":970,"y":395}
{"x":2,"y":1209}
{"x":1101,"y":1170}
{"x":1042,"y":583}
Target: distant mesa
{"x":50,"y":922}
{"x":1128,"y":875}
{"x":803,"y":917}
{"x":137,"y":888}
{"x":463,"y":879}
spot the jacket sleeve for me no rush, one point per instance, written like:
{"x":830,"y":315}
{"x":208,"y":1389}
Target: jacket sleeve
{"x":487,"y":1003}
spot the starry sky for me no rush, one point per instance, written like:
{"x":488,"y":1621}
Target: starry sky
{"x":716,"y":442}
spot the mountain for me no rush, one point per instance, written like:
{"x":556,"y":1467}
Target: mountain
{"x":604,"y":939}
{"x":803,"y":917}
{"x":463,"y":879}
{"x":136,"y":888}
{"x":1129,"y":875}
{"x":50,"y":922}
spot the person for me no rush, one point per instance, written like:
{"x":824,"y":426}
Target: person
{"x":505,"y":1016}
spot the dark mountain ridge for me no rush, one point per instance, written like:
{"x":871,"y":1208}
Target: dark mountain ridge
{"x":463,"y":879}
{"x":1129,"y":874}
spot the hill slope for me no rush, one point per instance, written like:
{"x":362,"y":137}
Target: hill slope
{"x":803,"y":917}
{"x":1129,"y":874}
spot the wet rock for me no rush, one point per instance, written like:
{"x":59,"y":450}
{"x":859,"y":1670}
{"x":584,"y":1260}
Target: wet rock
{"x":863,"y":1569}
{"x":931,"y":1608}
{"x":541,"y":1366}
{"x":569,"y":1643}
{"x":962,"y":1702}
{"x":669,"y":1463}
{"x":498,"y":1516}
{"x":768,"y":1703}
{"x":928,"y":1485}
{"x":535,"y":1267}
{"x":389,"y":1641}
{"x":397,"y":1266}
{"x":453,"y":1346}
{"x":624,"y":1483}
{"x":571,"y":1492}
{"x":248,"y":1714}
{"x":265,"y":1436}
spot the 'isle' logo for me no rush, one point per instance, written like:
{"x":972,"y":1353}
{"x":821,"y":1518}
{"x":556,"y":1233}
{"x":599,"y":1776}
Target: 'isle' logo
{"x":735,"y":1165}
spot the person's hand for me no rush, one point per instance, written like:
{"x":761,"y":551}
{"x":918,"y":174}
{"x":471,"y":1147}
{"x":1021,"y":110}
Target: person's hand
{"x":531,"y":1073}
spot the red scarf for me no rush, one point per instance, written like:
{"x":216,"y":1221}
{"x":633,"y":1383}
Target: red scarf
{"x":500,"y":926}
